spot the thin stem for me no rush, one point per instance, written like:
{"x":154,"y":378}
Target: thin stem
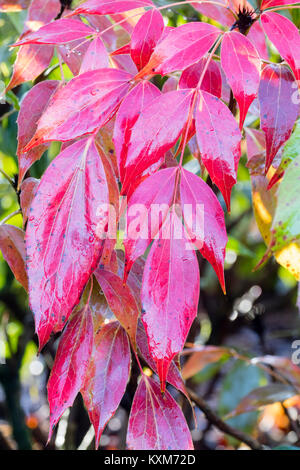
{"x":9,"y":113}
{"x":221,"y":425}
{"x":6,"y":176}
{"x":10,"y":216}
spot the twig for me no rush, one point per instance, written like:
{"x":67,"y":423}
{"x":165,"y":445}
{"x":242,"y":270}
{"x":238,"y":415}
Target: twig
{"x":3,"y":221}
{"x":220,"y":424}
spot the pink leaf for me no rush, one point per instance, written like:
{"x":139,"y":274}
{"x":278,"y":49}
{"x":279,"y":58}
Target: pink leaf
{"x":183,"y":46}
{"x":13,"y":250}
{"x":64,"y":236}
{"x":120,"y":300}
{"x":219,"y":142}
{"x":96,"y":57}
{"x":70,"y":365}
{"x":156,"y":422}
{"x":150,"y":138}
{"x":57,"y":32}
{"x":84,"y":104}
{"x":133,"y":105}
{"x":274,"y":3}
{"x":204,"y":221}
{"x":285,"y":37}
{"x":32,"y":107}
{"x":107,"y":376}
{"x":278,"y":111}
{"x":145,"y":36}
{"x":217,"y":12}
{"x":257,"y":37}
{"x":170,"y":293}
{"x":28,"y":189}
{"x":212,"y":79}
{"x":108,"y":7}
{"x":174,"y":377}
{"x":146,"y":212}
{"x":241,"y":64}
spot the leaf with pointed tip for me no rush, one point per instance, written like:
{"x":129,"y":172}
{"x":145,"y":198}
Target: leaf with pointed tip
{"x":108,"y":7}
{"x":183,"y":46}
{"x":27,"y":192}
{"x":174,"y":377}
{"x":212,"y":79}
{"x":120,"y":300}
{"x":32,"y":108}
{"x":145,"y":36}
{"x":201,"y":358}
{"x":150,"y":138}
{"x":204,"y":221}
{"x":147,"y":209}
{"x":170,"y":293}
{"x":263,"y":396}
{"x":156,"y":422}
{"x":13,"y":250}
{"x":136,"y":101}
{"x":70,"y":365}
{"x":241,"y":64}
{"x":87,"y":102}
{"x":58,"y":32}
{"x":219,"y":139}
{"x":96,"y":57}
{"x":278,"y":110}
{"x":32,"y":59}
{"x":285,"y":37}
{"x":107,"y":375}
{"x":64,"y":236}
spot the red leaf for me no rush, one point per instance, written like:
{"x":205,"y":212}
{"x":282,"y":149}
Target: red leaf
{"x":70,"y":365}
{"x":241,"y":64}
{"x":156,"y":422}
{"x":32,"y":107}
{"x":13,"y":250}
{"x":107,"y":376}
{"x":170,"y":293}
{"x":120,"y":300}
{"x":96,"y":57}
{"x":278,"y":111}
{"x":32,"y":60}
{"x":57,"y":32}
{"x":204,"y":221}
{"x":183,"y":46}
{"x":285,"y":37}
{"x":274,"y":3}
{"x":28,"y":189}
{"x":146,"y":212}
{"x":174,"y":377}
{"x":84,"y":104}
{"x":108,"y":7}
{"x":145,"y":36}
{"x":133,"y":105}
{"x":212,"y":79}
{"x":150,"y":138}
{"x":64,"y":234}
{"x":218,"y":138}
